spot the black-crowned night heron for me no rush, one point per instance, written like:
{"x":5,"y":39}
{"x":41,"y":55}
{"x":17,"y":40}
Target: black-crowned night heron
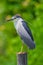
{"x":23,"y":31}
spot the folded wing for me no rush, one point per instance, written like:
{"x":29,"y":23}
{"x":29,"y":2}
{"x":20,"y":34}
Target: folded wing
{"x":26,"y":35}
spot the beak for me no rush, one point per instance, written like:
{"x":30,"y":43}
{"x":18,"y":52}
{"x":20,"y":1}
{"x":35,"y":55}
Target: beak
{"x":10,"y":19}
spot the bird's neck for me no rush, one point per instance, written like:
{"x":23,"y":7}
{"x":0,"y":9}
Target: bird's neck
{"x":15,"y":22}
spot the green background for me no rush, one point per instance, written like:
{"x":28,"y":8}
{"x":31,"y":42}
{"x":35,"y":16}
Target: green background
{"x":10,"y":43}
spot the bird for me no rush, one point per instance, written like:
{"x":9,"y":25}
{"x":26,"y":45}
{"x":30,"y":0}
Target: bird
{"x":23,"y":31}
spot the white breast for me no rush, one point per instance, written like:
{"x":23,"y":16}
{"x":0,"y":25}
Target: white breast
{"x":19,"y":23}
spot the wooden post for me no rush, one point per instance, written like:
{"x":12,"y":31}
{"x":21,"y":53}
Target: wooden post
{"x":22,"y":58}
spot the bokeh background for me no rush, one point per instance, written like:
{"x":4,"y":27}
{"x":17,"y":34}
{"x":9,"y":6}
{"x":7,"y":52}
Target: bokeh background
{"x":10,"y":43}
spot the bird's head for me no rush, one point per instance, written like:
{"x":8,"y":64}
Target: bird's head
{"x":17,"y":16}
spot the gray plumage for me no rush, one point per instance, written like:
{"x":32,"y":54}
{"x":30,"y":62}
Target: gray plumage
{"x":23,"y":31}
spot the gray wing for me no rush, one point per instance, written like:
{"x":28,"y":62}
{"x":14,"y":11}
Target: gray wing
{"x":25,"y":36}
{"x":27,"y":29}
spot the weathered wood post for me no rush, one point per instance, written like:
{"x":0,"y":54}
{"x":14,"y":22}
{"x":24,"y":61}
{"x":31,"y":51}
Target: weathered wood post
{"x":22,"y":58}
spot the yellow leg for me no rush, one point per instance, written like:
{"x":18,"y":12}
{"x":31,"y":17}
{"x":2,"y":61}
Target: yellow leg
{"x":22,"y":48}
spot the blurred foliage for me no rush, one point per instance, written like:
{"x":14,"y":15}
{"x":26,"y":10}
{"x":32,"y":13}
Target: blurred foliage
{"x":10,"y":43}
